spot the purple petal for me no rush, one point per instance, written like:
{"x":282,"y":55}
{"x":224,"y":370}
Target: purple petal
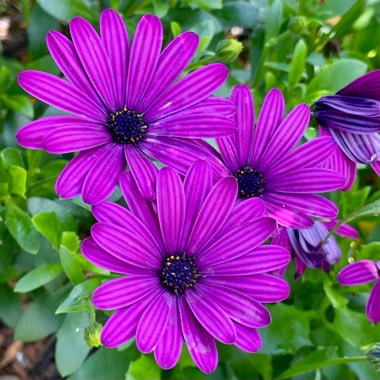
{"x":140,"y":207}
{"x":263,"y":259}
{"x":169,"y":349}
{"x":211,"y":316}
{"x":70,"y":182}
{"x":65,"y":56}
{"x":191,"y":89}
{"x":153,"y":322}
{"x":309,"y":155}
{"x":238,"y":242}
{"x":311,"y":204}
{"x":95,"y":60}
{"x":103,"y":177}
{"x":373,"y":304}
{"x":121,"y":327}
{"x":173,"y":60}
{"x":247,"y":339}
{"x":75,"y":135}
{"x":212,"y":105}
{"x":200,"y":343}
{"x":286,"y":216}
{"x":171,"y":204}
{"x":286,"y":136}
{"x":145,"y":53}
{"x":316,"y":180}
{"x":376,"y":167}
{"x":358,"y":273}
{"x":144,"y":171}
{"x":197,"y":185}
{"x":228,"y":151}
{"x":193,"y":126}
{"x":238,"y":306}
{"x":213,"y":214}
{"x":116,"y":43}
{"x":344,"y":230}
{"x":123,"y":291}
{"x":127,"y":246}
{"x":245,"y":119}
{"x":366,"y":86}
{"x":60,"y":94}
{"x":261,"y":287}
{"x":271,"y":114}
{"x":99,"y":257}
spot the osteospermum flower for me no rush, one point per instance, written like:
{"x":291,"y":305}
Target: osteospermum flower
{"x":196,"y":271}
{"x":363,"y":272}
{"x":352,"y":117}
{"x":267,"y":164}
{"x":127,"y":105}
{"x":309,"y":247}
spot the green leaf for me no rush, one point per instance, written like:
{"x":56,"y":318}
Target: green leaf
{"x":205,"y":30}
{"x":238,"y":13}
{"x":208,"y":4}
{"x":175,"y":28}
{"x":38,"y":277}
{"x":334,"y":77}
{"x":20,"y":103}
{"x":21,"y":228}
{"x":48,"y":225}
{"x":18,"y":178}
{"x":336,"y":299}
{"x":12,"y":156}
{"x":65,"y":10}
{"x":71,"y":349}
{"x":78,"y":299}
{"x":297,"y":64}
{"x":273,"y":20}
{"x":70,"y":265}
{"x":70,"y":240}
{"x":144,"y":368}
{"x":369,"y":251}
{"x":5,"y":78}
{"x":10,"y":306}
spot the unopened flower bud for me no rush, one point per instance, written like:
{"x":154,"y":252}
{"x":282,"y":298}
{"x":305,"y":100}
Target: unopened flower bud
{"x":228,"y":50}
{"x":373,"y":355}
{"x":92,"y":334}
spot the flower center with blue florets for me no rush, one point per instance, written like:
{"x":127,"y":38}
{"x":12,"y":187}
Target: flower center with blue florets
{"x":178,"y":273}
{"x":126,"y":127}
{"x":251,"y":183}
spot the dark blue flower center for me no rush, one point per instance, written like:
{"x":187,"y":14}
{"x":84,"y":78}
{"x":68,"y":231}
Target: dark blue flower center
{"x":251,"y":183}
{"x":178,"y":273}
{"x":126,"y":127}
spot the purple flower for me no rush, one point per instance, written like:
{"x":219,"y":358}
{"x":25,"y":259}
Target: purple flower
{"x":352,"y":117}
{"x":267,"y":164}
{"x":362,"y":272}
{"x":128,"y":106}
{"x":195,"y":271}
{"x":308,"y":250}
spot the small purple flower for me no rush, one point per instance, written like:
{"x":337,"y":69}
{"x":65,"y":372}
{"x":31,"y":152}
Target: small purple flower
{"x":362,"y":272}
{"x":128,"y":106}
{"x":352,"y":117}
{"x":305,"y":243}
{"x":267,"y":164}
{"x":195,"y":271}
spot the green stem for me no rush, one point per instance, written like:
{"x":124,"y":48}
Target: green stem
{"x":200,"y":63}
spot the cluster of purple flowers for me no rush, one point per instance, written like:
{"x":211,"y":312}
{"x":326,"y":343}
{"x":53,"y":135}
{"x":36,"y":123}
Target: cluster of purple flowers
{"x":191,"y":249}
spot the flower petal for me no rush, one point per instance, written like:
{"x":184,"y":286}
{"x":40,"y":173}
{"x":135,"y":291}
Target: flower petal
{"x":171,"y":208}
{"x":213,"y":214}
{"x":60,"y":94}
{"x":366,"y":86}
{"x":211,"y":316}
{"x":153,"y":322}
{"x":103,"y":177}
{"x":200,"y":343}
{"x":373,"y":304}
{"x":115,"y":40}
{"x":169,"y":349}
{"x":228,"y":151}
{"x":358,"y":272}
{"x":95,"y":60}
{"x":247,"y":339}
{"x":191,"y":89}
{"x":123,"y":291}
{"x":173,"y":60}
{"x":271,"y":114}
{"x":145,"y":52}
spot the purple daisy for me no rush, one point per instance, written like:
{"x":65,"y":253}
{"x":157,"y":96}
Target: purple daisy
{"x":267,"y":164}
{"x":363,"y":272}
{"x":305,"y":243}
{"x":352,"y":117}
{"x":128,"y":106}
{"x":195,"y":271}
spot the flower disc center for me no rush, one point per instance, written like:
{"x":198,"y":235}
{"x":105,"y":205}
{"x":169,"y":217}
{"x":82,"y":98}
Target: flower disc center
{"x":251,"y":183}
{"x":126,"y":127}
{"x":178,"y":273}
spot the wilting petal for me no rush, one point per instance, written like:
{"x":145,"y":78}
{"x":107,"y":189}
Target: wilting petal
{"x":247,"y":339}
{"x":373,"y":304}
{"x":200,"y":343}
{"x":358,"y":272}
{"x":103,"y":177}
